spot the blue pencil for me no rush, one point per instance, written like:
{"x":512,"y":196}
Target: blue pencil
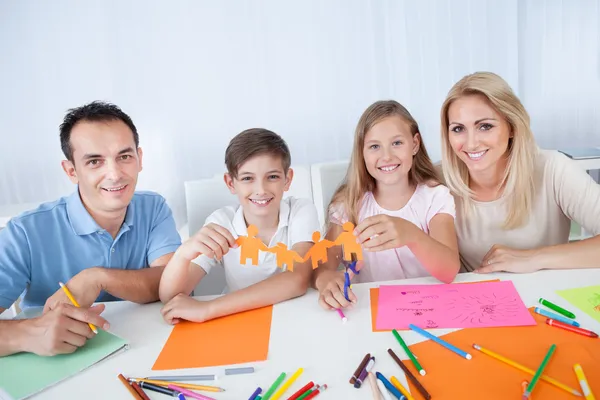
{"x":555,"y":317}
{"x":440,"y":342}
{"x":255,"y":394}
{"x":388,"y":385}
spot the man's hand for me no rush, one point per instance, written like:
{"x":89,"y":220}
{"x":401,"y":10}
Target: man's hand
{"x":62,"y":330}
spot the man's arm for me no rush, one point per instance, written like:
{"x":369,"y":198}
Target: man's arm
{"x":139,"y":286}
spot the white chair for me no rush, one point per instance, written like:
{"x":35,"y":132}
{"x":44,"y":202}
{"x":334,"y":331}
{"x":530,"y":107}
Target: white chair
{"x":326,"y":178}
{"x":204,"y":196}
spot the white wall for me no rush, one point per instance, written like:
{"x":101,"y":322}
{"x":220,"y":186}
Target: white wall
{"x":192,"y":74}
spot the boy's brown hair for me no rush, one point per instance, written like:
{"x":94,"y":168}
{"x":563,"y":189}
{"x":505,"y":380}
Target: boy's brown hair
{"x":254,"y":142}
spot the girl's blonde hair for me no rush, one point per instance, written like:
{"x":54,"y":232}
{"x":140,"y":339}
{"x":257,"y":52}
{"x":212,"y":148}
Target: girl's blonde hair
{"x":518,"y":180}
{"x":358,"y":181}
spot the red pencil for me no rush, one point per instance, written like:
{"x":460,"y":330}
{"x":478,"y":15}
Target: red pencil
{"x":302,"y":391}
{"x":571,"y":328}
{"x":316,"y":392}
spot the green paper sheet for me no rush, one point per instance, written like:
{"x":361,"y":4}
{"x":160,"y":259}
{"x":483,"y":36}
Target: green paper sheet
{"x":25,"y":374}
{"x":587,"y":299}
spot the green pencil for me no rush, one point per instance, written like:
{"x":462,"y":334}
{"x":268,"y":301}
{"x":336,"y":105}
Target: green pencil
{"x":539,"y":371}
{"x":409,"y":353}
{"x":556,"y":308}
{"x":274,"y":387}
{"x":308,"y":392}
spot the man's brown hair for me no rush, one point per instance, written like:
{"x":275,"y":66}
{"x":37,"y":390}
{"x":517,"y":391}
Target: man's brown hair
{"x":254,"y":142}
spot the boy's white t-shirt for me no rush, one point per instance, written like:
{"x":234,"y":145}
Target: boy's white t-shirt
{"x":298,"y":221}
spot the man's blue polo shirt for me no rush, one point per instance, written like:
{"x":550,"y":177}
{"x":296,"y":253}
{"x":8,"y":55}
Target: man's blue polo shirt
{"x":58,"y":240}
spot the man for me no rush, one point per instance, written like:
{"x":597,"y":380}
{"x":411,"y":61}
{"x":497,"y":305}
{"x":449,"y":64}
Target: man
{"x":99,"y":241}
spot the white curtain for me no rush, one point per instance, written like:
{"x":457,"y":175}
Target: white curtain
{"x":192,"y":74}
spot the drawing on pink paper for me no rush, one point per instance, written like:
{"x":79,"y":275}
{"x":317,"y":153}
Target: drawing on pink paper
{"x":477,"y":305}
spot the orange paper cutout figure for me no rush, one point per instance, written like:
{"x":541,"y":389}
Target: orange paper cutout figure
{"x":285,"y":256}
{"x":318,"y":253}
{"x":348,"y":242}
{"x":250,"y":245}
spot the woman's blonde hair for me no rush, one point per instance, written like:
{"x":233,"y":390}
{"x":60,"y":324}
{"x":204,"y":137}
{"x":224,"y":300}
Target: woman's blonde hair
{"x":518,"y":180}
{"x":358,"y":181}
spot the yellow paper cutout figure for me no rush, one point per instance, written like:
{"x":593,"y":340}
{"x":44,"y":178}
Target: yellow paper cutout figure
{"x":348,"y":242}
{"x":318,"y":253}
{"x":250,"y":245}
{"x":284,"y":256}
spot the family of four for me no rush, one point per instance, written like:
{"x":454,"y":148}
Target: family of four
{"x":498,"y":203}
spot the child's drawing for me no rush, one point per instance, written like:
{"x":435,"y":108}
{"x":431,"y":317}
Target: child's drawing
{"x":483,"y":308}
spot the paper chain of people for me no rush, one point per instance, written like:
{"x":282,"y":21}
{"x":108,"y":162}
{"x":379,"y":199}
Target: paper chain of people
{"x":250,"y":245}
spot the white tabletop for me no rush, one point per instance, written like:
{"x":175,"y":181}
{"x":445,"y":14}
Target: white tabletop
{"x":302,"y":335}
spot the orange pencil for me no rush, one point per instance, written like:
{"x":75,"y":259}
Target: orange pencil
{"x":129,"y":387}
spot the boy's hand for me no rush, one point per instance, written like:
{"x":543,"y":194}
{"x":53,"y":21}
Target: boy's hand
{"x":212,"y":240}
{"x":185,"y":307}
{"x":331,"y":291}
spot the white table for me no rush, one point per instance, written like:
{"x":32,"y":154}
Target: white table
{"x":302,"y":335}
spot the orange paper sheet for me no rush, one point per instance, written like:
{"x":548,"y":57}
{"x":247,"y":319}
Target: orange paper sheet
{"x":452,"y":377}
{"x":235,"y":339}
{"x":374,"y":295}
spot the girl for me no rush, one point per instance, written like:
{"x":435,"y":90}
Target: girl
{"x":404,"y":218}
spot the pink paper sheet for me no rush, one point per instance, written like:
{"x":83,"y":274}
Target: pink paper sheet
{"x":477,"y":305}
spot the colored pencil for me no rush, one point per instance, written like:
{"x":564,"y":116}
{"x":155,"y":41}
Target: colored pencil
{"x":72,"y":299}
{"x":539,"y":372}
{"x":409,"y":353}
{"x":189,"y":393}
{"x":573,"y":329}
{"x":401,"y":388}
{"x":391,"y":388}
{"x":287,"y":384}
{"x":129,"y":387}
{"x":374,"y":386}
{"x":441,"y":342}
{"x":361,"y":366}
{"x":274,"y":386}
{"x":585,"y":387}
{"x":410,"y":375}
{"x":556,"y":308}
{"x":520,"y":367}
{"x":183,"y":385}
{"x":302,"y":390}
{"x":555,"y":316}
{"x":140,"y":391}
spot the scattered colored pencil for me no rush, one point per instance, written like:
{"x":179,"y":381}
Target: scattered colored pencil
{"x":410,"y":375}
{"x":573,"y":329}
{"x":409,"y":353}
{"x":441,"y":342}
{"x":520,"y":367}
{"x":539,"y":372}
{"x":585,"y":387}
{"x":556,"y":308}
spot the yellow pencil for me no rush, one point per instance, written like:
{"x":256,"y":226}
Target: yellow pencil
{"x":287,"y":384}
{"x":401,"y":388}
{"x":585,"y":387}
{"x":70,"y":296}
{"x":525,"y":369}
{"x":182,"y":385}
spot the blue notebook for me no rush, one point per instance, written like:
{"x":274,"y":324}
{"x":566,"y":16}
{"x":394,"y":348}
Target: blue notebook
{"x":582,"y":153}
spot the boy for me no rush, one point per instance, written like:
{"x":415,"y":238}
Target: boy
{"x":258,"y":172}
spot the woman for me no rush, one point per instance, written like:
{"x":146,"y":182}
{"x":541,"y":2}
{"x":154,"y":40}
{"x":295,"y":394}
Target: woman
{"x":515,"y":202}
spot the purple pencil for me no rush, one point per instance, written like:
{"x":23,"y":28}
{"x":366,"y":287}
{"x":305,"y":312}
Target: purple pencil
{"x":255,"y":394}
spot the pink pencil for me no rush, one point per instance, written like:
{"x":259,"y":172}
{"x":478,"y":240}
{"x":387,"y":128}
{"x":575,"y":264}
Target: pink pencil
{"x":341,"y":314}
{"x":189,"y":393}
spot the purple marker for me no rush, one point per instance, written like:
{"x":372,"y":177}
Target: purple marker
{"x":255,"y":394}
{"x":364,"y":373}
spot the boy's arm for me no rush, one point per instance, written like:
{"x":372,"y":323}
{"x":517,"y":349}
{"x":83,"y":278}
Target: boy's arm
{"x":278,"y":288}
{"x":207,"y":248}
